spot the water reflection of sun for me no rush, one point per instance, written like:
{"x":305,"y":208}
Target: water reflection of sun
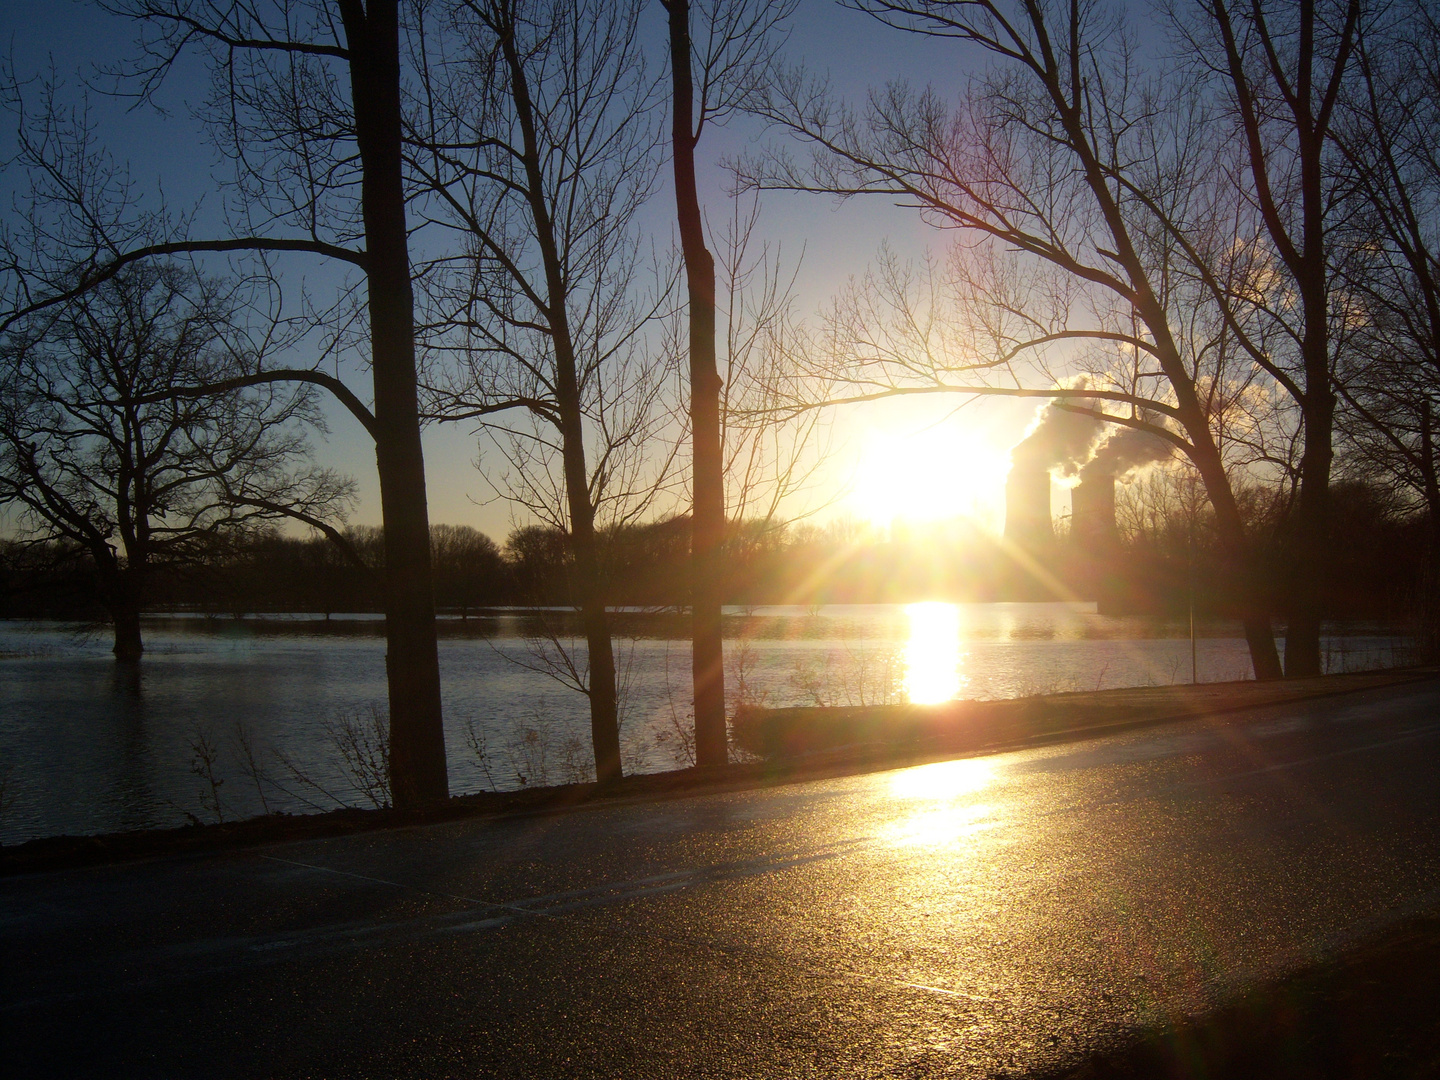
{"x":932,"y":653}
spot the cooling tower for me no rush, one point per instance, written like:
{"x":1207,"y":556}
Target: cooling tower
{"x":1027,"y":508}
{"x":1093,"y":532}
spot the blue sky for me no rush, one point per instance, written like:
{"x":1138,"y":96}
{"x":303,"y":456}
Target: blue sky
{"x":837,"y":240}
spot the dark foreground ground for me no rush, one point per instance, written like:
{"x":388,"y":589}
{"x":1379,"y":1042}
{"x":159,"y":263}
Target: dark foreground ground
{"x":1254,"y":893}
{"x":1373,"y":1011}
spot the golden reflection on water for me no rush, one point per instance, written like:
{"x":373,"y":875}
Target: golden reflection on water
{"x":932,"y":653}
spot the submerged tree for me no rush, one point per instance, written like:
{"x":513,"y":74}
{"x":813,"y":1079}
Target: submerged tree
{"x":307,"y":106}
{"x":94,"y":451}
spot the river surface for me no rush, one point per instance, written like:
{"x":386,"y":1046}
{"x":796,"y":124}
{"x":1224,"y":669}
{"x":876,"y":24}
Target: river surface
{"x":235,"y":717}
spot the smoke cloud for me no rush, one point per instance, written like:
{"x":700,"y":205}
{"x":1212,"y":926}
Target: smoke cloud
{"x":1068,"y":443}
{"x":1059,"y":439}
{"x":1126,"y":451}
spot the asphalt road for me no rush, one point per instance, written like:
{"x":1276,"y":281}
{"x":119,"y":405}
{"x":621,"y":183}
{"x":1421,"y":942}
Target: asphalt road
{"x":981,"y":917}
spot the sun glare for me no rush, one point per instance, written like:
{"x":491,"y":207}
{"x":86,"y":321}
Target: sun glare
{"x":932,"y":653}
{"x":942,"y":780}
{"x":935,"y":805}
{"x":935,"y":474}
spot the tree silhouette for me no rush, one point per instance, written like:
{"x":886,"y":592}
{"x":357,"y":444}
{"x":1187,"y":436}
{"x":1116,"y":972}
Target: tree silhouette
{"x":1283,"y":71}
{"x":95,"y":452}
{"x":308,"y":109}
{"x":539,"y":147}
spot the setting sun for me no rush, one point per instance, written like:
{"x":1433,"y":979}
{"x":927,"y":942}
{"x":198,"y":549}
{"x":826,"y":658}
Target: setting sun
{"x":934,"y":474}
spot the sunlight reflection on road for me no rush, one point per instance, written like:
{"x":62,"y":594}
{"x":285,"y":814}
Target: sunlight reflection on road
{"x":944,"y":815}
{"x":937,"y":828}
{"x":942,"y":780}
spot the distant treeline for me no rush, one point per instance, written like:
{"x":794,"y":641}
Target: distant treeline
{"x":1376,"y":569}
{"x":1378,"y":557}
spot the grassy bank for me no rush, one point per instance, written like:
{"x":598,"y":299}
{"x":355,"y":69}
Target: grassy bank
{"x":971,"y":726}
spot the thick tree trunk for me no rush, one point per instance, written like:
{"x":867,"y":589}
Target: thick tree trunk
{"x":1309,"y":561}
{"x":1239,"y":558}
{"x":122,"y":591}
{"x":125,"y":614}
{"x":707,"y":521}
{"x":604,"y":694}
{"x":417,"y":738}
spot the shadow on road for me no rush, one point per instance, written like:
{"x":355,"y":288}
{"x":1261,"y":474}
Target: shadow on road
{"x":1372,"y":1013}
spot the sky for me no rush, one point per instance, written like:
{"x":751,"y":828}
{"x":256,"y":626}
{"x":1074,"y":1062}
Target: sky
{"x":908,"y":458}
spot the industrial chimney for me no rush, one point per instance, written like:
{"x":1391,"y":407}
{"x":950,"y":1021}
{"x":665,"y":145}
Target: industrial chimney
{"x":1027,"y":507}
{"x":1093,"y":531}
{"x":1059,"y":439}
{"x":1094,"y":534}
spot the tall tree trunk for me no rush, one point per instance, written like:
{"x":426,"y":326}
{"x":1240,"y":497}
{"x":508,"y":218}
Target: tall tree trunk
{"x":603,"y":692}
{"x":1311,"y":106}
{"x":417,"y":737}
{"x":1310,"y":563}
{"x":707,"y":520}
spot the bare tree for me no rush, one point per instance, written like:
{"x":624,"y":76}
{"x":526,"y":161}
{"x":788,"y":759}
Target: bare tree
{"x":539,"y":146}
{"x":1389,"y":380}
{"x":94,"y":452}
{"x":770,"y":453}
{"x":307,"y":105}
{"x":1065,"y":173}
{"x":713,"y":71}
{"x":1283,"y":68}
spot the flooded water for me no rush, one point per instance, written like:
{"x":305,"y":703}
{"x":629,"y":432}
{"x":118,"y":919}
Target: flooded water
{"x":236,"y":717}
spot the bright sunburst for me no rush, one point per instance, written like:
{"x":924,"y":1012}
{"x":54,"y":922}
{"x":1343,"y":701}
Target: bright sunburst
{"x":934,"y":474}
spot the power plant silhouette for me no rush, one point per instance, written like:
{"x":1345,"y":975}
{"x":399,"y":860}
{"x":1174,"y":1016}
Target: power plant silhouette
{"x":1071,"y":444}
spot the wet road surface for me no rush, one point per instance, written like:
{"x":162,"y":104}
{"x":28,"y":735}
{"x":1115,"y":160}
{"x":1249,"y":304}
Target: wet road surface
{"x":982,"y":917}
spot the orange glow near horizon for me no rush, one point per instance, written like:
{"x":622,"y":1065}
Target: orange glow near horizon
{"x":935,"y":474}
{"x":932,"y":653}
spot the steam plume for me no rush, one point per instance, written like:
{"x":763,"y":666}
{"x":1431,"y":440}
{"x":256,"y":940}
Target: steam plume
{"x":1125,"y":451}
{"x":1058,"y":439}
